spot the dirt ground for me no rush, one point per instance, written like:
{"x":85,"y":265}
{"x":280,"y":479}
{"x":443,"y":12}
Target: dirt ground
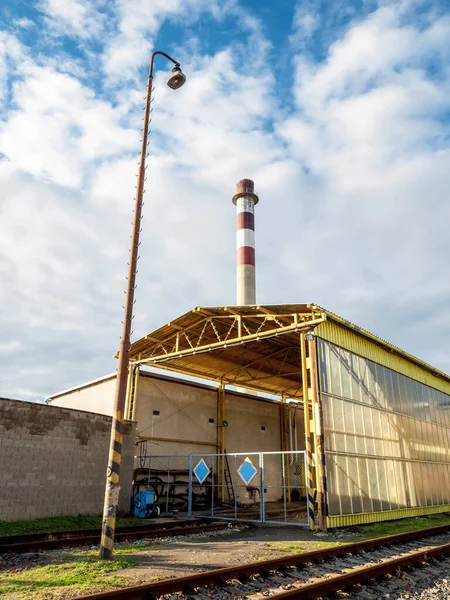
{"x":221,"y":549}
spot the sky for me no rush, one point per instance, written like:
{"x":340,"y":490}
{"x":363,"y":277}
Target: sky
{"x":339,"y":111}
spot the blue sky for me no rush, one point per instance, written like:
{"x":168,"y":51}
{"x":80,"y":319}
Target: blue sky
{"x":339,"y":111}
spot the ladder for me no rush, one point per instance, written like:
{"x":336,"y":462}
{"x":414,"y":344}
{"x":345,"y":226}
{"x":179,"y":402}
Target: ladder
{"x":228,"y":480}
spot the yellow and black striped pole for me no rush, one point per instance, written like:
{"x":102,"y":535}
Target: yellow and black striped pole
{"x":319,"y":449}
{"x":309,"y":455}
{"x":112,"y":489}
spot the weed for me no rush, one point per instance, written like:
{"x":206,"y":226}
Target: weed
{"x":298,"y":547}
{"x":402,"y":526}
{"x":61,"y":524}
{"x":118,"y":551}
{"x":80,"y":573}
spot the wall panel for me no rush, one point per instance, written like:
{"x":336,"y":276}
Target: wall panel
{"x":386,"y":436}
{"x":358,"y":344}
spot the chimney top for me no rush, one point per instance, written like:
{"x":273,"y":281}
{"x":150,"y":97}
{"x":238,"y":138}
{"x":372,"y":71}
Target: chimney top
{"x":245,"y":187}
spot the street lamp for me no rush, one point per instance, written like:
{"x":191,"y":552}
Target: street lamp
{"x":175,"y":81}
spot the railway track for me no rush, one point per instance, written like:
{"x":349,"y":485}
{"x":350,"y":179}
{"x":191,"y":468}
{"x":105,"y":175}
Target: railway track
{"x":302,"y":576}
{"x":61,"y":539}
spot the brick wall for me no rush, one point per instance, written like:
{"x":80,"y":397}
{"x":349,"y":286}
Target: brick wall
{"x":53,"y":461}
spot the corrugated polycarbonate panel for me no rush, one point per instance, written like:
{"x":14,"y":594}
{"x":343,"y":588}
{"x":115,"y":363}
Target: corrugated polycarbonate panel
{"x":358,"y":344}
{"x":386,"y":436}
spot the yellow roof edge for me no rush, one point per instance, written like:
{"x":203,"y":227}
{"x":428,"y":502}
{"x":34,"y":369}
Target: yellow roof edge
{"x":363,"y":332}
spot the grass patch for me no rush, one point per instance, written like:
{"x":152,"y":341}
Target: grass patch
{"x":299,"y":547}
{"x":62,"y":524}
{"x":122,"y":551}
{"x":80,"y":573}
{"x":216,"y":534}
{"x":195,"y":538}
{"x":402,"y":526}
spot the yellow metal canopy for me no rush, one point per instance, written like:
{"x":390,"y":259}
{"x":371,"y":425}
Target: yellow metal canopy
{"x":255,"y":347}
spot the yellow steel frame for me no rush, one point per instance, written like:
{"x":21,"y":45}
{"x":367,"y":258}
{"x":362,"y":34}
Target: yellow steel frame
{"x":319,"y":451}
{"x":132,"y":392}
{"x":194,"y":345}
{"x":221,"y":438}
{"x":284,"y":443}
{"x":310,"y":485}
{"x":277,"y":363}
{"x":153,"y":438}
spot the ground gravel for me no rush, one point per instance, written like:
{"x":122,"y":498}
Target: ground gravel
{"x":430,"y":582}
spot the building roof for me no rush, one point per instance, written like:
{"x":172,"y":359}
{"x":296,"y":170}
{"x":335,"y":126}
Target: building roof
{"x":81,"y":386}
{"x":254,"y":346}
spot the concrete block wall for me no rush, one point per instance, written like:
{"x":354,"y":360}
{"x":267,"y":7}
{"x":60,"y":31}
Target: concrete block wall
{"x":53,"y":461}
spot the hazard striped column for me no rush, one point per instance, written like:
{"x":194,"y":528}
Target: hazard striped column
{"x":112,"y":487}
{"x":308,"y":446}
{"x":319,"y":451}
{"x":309,"y":477}
{"x":245,"y":200}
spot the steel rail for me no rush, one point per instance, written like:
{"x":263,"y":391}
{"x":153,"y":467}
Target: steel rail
{"x":360,"y":575}
{"x":190,"y":582}
{"x":31,"y":542}
{"x":42,"y":535}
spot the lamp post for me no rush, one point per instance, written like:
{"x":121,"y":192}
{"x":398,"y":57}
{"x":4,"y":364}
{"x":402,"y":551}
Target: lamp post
{"x":175,"y":81}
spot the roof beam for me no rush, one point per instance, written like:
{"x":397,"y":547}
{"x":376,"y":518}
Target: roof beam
{"x":262,"y":335}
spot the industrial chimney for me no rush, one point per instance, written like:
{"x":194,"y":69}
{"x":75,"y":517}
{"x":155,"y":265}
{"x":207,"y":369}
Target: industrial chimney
{"x":245,"y":200}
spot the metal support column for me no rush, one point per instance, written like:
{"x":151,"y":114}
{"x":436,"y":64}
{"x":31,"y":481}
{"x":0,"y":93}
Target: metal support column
{"x":134,"y":397}
{"x":283,"y":433}
{"x":285,"y":445}
{"x":132,"y":391}
{"x":190,"y":487}
{"x":128,"y":398}
{"x":313,"y":392}
{"x":309,"y":457}
{"x":221,"y":440}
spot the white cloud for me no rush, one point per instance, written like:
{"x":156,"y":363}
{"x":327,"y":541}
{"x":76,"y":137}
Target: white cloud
{"x":305,"y":23}
{"x":24,"y":23}
{"x":73,"y":17}
{"x":58,"y":127}
{"x":137,"y":23}
{"x":11,"y":52}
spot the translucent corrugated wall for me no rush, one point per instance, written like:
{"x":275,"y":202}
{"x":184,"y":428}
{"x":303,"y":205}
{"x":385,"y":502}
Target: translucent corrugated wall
{"x":387,"y":436}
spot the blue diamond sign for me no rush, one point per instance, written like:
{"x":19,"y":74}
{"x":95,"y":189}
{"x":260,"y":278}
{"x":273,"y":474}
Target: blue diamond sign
{"x":247,"y":471}
{"x":201,"y":471}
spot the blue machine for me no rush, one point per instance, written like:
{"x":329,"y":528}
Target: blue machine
{"x":145,"y":505}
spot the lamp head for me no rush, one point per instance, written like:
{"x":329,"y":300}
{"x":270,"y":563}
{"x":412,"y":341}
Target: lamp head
{"x":176,"y":79}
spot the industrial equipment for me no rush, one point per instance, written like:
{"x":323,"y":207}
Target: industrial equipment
{"x":145,"y":505}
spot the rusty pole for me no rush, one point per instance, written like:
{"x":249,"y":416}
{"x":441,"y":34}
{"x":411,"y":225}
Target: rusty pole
{"x":112,"y":489}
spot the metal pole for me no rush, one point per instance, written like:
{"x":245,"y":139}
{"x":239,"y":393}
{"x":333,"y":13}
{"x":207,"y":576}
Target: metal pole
{"x":115,"y":449}
{"x":308,"y":445}
{"x":221,"y":441}
{"x":261,"y":489}
{"x":190,"y":487}
{"x":319,"y":437}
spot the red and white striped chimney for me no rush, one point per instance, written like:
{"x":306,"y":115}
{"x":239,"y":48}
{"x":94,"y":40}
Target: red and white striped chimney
{"x":245,"y":200}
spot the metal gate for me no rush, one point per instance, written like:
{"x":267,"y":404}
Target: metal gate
{"x":264,"y":487}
